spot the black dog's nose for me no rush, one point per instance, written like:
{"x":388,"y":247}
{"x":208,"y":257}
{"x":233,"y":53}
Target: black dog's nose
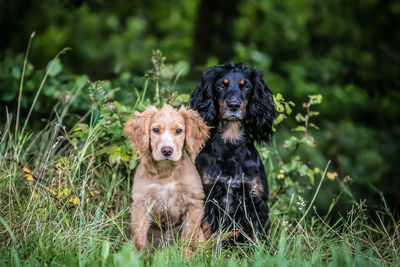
{"x":233,"y":105}
{"x":167,"y":151}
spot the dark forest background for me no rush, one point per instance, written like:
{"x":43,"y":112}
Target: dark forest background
{"x":347,"y":51}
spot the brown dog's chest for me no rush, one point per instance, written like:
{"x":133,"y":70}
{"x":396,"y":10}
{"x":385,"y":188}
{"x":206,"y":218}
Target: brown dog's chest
{"x":168,"y":202}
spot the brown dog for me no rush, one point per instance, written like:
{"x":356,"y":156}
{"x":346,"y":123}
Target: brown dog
{"x":167,"y":192}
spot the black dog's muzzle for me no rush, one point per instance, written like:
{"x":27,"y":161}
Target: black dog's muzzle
{"x":232,"y":110}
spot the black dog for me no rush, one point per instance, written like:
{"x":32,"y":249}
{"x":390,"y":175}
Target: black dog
{"x":235,"y":101}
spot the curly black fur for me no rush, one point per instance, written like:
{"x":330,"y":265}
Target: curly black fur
{"x":235,"y":101}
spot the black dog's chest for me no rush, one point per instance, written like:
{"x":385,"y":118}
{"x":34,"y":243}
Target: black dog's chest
{"x":234,"y":183}
{"x":226,"y":164}
{"x":229,"y":161}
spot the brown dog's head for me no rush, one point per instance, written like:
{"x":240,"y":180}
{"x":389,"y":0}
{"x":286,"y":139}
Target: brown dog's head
{"x":168,"y":131}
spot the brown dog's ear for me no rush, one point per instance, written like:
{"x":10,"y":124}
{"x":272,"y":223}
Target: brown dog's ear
{"x":137,"y":130}
{"x":196,"y":131}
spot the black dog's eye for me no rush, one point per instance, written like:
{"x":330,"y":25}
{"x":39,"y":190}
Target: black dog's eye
{"x":222,"y":86}
{"x":244,"y":85}
{"x":178,"y":131}
{"x":156,"y":130}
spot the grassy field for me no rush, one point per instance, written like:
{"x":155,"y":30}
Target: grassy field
{"x":65,"y":197}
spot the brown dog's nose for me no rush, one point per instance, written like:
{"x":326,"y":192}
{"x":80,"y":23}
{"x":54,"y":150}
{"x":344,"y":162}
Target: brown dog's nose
{"x":167,"y":151}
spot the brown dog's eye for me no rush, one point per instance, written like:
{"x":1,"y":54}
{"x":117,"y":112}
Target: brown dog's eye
{"x":178,"y":131}
{"x":156,"y":130}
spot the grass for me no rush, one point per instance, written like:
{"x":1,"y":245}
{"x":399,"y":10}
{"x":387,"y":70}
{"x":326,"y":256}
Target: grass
{"x":72,"y":209}
{"x":65,"y":203}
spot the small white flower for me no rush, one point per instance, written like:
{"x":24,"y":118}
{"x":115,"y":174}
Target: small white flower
{"x":301,"y":202}
{"x":286,"y":225}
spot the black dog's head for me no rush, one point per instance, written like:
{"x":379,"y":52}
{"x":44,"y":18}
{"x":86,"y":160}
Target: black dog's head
{"x":232,"y":92}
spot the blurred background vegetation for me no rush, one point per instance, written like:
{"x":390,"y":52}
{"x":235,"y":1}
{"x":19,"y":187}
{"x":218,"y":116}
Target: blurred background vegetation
{"x":347,"y":51}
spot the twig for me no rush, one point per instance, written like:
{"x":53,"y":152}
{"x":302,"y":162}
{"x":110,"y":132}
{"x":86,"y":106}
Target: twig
{"x":313,"y":199}
{"x":22,"y":82}
{"x":42,"y":84}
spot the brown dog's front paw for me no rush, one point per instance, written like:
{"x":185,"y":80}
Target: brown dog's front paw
{"x":140,"y":246}
{"x":189,"y":252}
{"x":201,"y":236}
{"x":139,"y":241}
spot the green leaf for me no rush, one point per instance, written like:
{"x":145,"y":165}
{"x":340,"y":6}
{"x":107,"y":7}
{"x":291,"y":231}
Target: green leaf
{"x":299,"y":117}
{"x":182,"y":98}
{"x":310,"y":174}
{"x":279,"y":107}
{"x":182,"y":68}
{"x":302,"y":169}
{"x":290,"y":142}
{"x":317,"y":170}
{"x":54,"y":67}
{"x":278,"y":97}
{"x":308,"y":140}
{"x":315,"y":99}
{"x":264,"y":154}
{"x":81,"y":131}
{"x":9,"y":96}
{"x":133,"y":162}
{"x":105,"y":250}
{"x":299,"y":129}
{"x":16,"y":72}
{"x":279,"y":119}
{"x":74,"y":141}
{"x":289,"y":167}
{"x":288,"y":109}
{"x":114,"y":157}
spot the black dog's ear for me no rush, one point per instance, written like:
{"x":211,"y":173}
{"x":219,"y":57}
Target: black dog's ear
{"x":260,"y":110}
{"x":202,"y":98}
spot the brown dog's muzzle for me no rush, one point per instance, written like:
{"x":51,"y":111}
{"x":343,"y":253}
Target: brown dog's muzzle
{"x":167,"y":151}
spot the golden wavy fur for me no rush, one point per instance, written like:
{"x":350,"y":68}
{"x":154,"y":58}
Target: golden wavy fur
{"x":167,"y":192}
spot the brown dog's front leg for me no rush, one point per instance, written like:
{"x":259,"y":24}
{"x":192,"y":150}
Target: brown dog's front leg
{"x":140,"y":224}
{"x":192,"y":230}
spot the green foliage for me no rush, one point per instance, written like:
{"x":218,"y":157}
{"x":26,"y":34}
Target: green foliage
{"x":60,"y":87}
{"x":65,"y":192}
{"x":107,"y":39}
{"x":65,"y":178}
{"x":112,"y":115}
{"x":290,"y":174}
{"x":326,"y":48}
{"x":345,"y":51}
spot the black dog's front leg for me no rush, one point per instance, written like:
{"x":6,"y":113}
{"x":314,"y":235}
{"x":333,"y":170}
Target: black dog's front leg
{"x":259,"y":218}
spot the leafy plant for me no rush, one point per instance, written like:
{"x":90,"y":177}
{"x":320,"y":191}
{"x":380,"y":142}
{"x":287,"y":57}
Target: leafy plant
{"x":64,"y":194}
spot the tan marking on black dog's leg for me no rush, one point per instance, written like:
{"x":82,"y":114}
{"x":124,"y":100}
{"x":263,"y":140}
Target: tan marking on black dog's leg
{"x":257,"y":188}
